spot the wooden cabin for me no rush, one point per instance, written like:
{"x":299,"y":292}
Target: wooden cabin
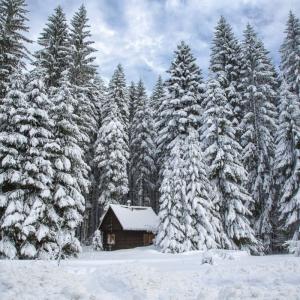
{"x":125,"y":226}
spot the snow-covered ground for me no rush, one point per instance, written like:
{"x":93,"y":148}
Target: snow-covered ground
{"x":144,"y":273}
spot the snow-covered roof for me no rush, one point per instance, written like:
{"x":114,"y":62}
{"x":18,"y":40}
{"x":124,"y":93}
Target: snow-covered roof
{"x":135,"y":217}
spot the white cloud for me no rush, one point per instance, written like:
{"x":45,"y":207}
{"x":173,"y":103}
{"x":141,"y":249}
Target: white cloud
{"x":142,"y":34}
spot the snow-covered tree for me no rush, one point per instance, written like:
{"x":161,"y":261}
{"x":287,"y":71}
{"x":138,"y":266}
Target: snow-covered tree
{"x":287,"y":164}
{"x":142,"y":147}
{"x":118,"y":91}
{"x":26,"y":171}
{"x":97,"y":241}
{"x":203,"y":226}
{"x":132,"y":102}
{"x":13,"y":51}
{"x":171,"y":231}
{"x":157,"y":98}
{"x":82,"y":72}
{"x":111,"y":152}
{"x":226,"y":171}
{"x":290,"y":53}
{"x":54,"y":55}
{"x":70,"y":178}
{"x":13,"y":144}
{"x":258,"y":86}
{"x":181,"y":106}
{"x":41,"y":221}
{"x":82,"y":68}
{"x":225,"y":65}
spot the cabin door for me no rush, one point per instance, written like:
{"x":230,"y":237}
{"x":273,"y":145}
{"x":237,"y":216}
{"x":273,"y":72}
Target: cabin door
{"x":147,"y":237}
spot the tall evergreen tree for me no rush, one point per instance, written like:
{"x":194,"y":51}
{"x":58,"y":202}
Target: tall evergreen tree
{"x":82,"y":72}
{"x":41,"y":221}
{"x":13,"y":51}
{"x":132,"y":101}
{"x":54,"y":56}
{"x":225,"y":65}
{"x":111,"y":149}
{"x":188,"y":220}
{"x":70,"y":178}
{"x":223,"y":154}
{"x":26,"y":143}
{"x":142,"y":148}
{"x":82,"y":68}
{"x":156,"y":98}
{"x":202,"y":224}
{"x":118,"y":91}
{"x":287,"y":163}
{"x":171,"y":231}
{"x":13,"y":144}
{"x":181,"y":106}
{"x":258,"y":83}
{"x":290,"y":53}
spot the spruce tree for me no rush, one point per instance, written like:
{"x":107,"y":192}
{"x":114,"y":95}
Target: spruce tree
{"x":181,"y":106}
{"x":26,"y":142}
{"x":142,"y":148}
{"x":203,"y":226}
{"x":225,"y":65}
{"x":223,"y":154}
{"x":82,"y":68}
{"x":118,"y":91}
{"x":41,"y":221}
{"x":132,"y":102}
{"x":70,"y":171}
{"x":111,"y":148}
{"x":13,"y":51}
{"x":13,"y":144}
{"x":290,"y":53}
{"x":170,"y":237}
{"x":54,"y":55}
{"x":157,"y":98}
{"x":82,"y":72}
{"x":258,"y":86}
{"x":287,"y":164}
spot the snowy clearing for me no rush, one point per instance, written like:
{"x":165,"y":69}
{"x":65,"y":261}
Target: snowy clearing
{"x":144,"y":273}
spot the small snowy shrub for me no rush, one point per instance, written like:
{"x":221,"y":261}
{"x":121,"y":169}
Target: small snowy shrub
{"x":97,"y":241}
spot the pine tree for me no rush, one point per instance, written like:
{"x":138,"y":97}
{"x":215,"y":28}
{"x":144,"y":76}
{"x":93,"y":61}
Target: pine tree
{"x":26,"y":143}
{"x":54,"y":56}
{"x":132,"y":102}
{"x":82,"y":69}
{"x":70,"y":178}
{"x":202,"y":225}
{"x":142,"y":148}
{"x":13,"y":52}
{"x":41,"y":220}
{"x":82,"y":72}
{"x":156,"y":99}
{"x":180,"y":107}
{"x":287,"y":163}
{"x":223,"y":154}
{"x":290,"y":53}
{"x":258,"y":83}
{"x":118,"y":91}
{"x":225,"y":65}
{"x":111,"y":157}
{"x":171,"y":231}
{"x":111,"y":148}
{"x":13,"y":144}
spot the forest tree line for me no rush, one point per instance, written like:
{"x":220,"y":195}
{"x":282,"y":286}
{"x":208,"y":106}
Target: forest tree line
{"x":218,"y":158}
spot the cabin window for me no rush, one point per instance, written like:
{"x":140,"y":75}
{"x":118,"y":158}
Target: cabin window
{"x":111,"y":239}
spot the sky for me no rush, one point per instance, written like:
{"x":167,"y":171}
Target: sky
{"x":143,"y":34}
